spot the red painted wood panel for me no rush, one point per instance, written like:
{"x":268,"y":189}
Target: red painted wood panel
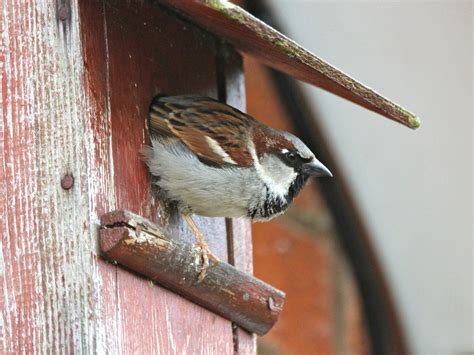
{"x":55,"y":293}
{"x":239,"y":233}
{"x":149,"y":51}
{"x":75,"y":86}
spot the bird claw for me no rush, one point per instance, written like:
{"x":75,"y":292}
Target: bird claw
{"x":206,"y":255}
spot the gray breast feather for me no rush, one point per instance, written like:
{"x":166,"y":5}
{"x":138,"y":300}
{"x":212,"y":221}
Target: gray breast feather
{"x":201,"y":188}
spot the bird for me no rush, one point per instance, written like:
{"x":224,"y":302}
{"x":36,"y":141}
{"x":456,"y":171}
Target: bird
{"x":213,"y":160}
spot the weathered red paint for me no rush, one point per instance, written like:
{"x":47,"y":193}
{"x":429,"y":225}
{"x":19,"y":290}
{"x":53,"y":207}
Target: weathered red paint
{"x":75,"y":91}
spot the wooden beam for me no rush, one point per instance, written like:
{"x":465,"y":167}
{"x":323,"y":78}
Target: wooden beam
{"x":145,"y":248}
{"x":231,"y":87}
{"x":250,"y":35}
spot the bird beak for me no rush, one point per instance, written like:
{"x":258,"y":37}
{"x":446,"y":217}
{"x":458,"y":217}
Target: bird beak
{"x":315,"y":168}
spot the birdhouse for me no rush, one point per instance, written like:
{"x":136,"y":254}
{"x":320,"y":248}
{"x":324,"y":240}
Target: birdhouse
{"x":77,"y":81}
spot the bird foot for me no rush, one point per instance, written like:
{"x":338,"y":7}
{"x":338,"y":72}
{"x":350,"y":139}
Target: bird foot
{"x":206,"y":255}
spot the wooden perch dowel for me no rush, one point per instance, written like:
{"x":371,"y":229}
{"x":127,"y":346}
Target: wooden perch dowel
{"x":143,"y":247}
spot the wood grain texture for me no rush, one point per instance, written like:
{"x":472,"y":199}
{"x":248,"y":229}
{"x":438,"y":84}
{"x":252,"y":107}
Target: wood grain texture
{"x":149,"y":51}
{"x":239,"y":235}
{"x":76,"y":82}
{"x":254,"y":37}
{"x":54,"y":289}
{"x":148,"y":250}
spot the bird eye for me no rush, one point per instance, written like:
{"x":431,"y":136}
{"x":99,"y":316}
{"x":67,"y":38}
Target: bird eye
{"x":290,"y":156}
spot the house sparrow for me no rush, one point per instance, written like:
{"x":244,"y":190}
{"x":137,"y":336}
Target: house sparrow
{"x":214,"y":160}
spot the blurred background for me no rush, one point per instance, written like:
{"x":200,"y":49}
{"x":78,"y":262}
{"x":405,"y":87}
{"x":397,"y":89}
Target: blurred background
{"x":411,"y":189}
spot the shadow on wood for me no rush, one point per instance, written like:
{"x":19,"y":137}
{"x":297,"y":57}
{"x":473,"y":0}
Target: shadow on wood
{"x":143,"y":247}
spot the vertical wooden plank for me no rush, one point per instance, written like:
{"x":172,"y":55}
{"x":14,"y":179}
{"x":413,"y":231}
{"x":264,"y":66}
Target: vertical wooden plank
{"x":54,"y":297}
{"x":96,"y":80}
{"x":79,"y":108}
{"x":241,"y":236}
{"x":231,"y":86}
{"x":150,"y":51}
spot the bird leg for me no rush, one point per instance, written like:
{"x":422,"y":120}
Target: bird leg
{"x":201,"y":242}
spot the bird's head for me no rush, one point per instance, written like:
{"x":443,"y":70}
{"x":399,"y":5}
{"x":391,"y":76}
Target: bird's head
{"x":283,"y":161}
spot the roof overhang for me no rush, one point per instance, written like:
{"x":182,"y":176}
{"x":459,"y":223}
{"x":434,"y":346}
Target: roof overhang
{"x":252,"y":36}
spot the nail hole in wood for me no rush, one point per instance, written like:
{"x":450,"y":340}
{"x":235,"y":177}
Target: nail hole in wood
{"x":63,"y":12}
{"x":67,"y":182}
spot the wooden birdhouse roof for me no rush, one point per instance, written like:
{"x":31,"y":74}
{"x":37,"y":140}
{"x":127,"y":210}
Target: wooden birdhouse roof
{"x":250,"y":35}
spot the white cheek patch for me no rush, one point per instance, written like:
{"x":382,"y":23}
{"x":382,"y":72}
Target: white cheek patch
{"x":277,"y":176}
{"x":216,"y":148}
{"x":278,"y":185}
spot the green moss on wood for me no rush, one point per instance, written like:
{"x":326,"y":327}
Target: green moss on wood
{"x":409,"y":118}
{"x":414,"y":122}
{"x":286,"y":46}
{"x":363,"y":95}
{"x":226,"y":8}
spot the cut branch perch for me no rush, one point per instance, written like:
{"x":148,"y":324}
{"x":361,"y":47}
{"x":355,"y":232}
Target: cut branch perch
{"x":143,"y":247}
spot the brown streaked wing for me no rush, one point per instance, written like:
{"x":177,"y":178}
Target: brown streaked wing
{"x":215,"y":132}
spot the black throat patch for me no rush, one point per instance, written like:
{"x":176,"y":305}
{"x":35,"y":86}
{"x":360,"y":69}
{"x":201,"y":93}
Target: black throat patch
{"x":296,"y":186}
{"x":274,"y":205}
